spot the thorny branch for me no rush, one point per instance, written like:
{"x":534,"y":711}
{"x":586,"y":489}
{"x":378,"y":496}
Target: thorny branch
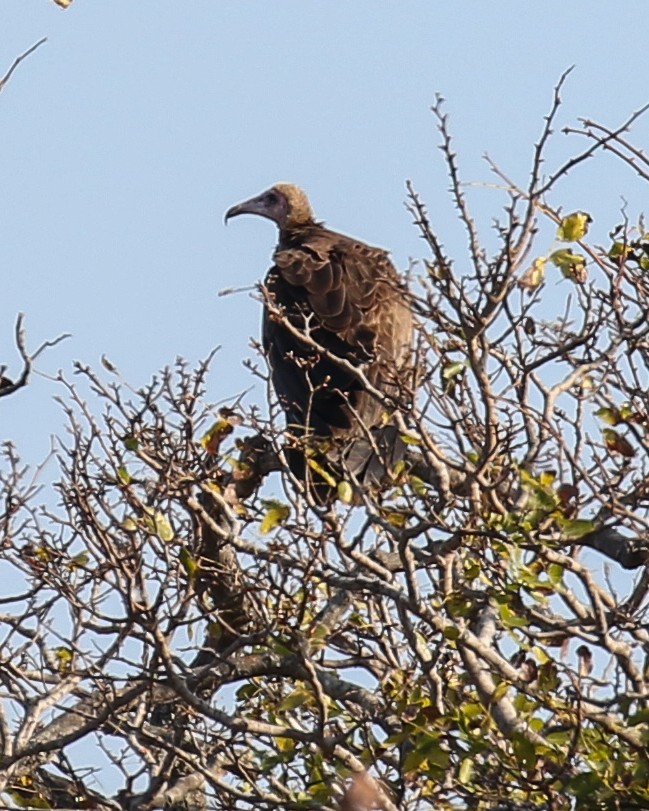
{"x":8,"y":386}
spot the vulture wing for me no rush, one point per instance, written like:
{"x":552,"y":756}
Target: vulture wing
{"x":346,"y":297}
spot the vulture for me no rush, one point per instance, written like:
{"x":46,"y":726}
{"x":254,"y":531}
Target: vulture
{"x":334,"y":307}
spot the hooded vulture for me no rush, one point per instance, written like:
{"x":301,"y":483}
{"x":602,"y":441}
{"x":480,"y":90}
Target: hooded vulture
{"x":333,"y":305}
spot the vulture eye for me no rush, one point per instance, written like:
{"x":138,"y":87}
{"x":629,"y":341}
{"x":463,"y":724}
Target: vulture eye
{"x":270,"y":199}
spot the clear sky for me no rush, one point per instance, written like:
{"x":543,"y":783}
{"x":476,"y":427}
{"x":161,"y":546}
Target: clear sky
{"x":127,"y":135}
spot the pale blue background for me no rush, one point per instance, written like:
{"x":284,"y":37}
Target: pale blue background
{"x":128,"y":134}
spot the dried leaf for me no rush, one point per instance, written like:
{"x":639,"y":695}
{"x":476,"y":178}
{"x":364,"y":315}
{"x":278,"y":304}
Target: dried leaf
{"x":108,"y":365}
{"x":618,"y":444}
{"x":533,"y":276}
{"x":585,"y":660}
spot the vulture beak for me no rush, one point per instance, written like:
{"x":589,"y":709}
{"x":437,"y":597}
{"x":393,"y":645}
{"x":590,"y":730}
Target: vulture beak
{"x":256,"y":205}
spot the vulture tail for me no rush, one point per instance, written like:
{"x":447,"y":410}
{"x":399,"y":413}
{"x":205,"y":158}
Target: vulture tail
{"x":367,"y":462}
{"x":371,"y":461}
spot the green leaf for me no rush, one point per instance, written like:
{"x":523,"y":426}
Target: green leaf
{"x":610,"y":415}
{"x":276,"y":514}
{"x":547,"y":478}
{"x":296,"y":698}
{"x":131,"y":443}
{"x":395,"y":518}
{"x":585,"y":784}
{"x":123,"y":475}
{"x":82,"y":559}
{"x":191,"y":566}
{"x":640,"y":717}
{"x":575,"y":527}
{"x":510,"y":618}
{"x":574,"y":226}
{"x":159,"y":524}
{"x":524,"y":751}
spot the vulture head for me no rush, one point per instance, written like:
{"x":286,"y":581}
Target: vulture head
{"x":285,"y":204}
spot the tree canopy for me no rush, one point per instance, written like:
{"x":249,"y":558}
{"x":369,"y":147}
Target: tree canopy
{"x":184,"y":626}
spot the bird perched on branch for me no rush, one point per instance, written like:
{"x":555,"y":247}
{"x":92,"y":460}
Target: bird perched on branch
{"x":337,"y":332}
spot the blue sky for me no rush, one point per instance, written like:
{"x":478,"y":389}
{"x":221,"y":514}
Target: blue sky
{"x":127,"y":135}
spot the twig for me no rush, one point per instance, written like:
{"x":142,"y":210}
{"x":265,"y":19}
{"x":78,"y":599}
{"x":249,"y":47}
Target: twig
{"x":17,"y":62}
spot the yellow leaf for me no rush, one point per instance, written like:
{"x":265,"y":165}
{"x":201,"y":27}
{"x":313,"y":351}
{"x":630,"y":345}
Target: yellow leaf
{"x":315,"y":465}
{"x":395,"y":518}
{"x":620,"y":251}
{"x":547,"y":478}
{"x":345,"y":492}
{"x":499,"y":692}
{"x":285,"y":744}
{"x":63,"y":659}
{"x":410,"y":440}
{"x":572,"y":265}
{"x":574,"y":226}
{"x":276,"y":514}
{"x":216,"y":434}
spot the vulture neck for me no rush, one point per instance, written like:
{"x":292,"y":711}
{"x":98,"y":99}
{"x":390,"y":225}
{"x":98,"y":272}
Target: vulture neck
{"x":294,"y":232}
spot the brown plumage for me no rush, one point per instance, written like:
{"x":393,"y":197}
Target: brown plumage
{"x":344,"y":296}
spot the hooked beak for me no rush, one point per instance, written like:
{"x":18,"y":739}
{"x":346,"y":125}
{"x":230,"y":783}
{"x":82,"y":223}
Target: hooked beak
{"x":252,"y":206}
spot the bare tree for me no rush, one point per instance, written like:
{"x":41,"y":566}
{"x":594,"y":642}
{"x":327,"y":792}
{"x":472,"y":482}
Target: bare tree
{"x":174,"y":637}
